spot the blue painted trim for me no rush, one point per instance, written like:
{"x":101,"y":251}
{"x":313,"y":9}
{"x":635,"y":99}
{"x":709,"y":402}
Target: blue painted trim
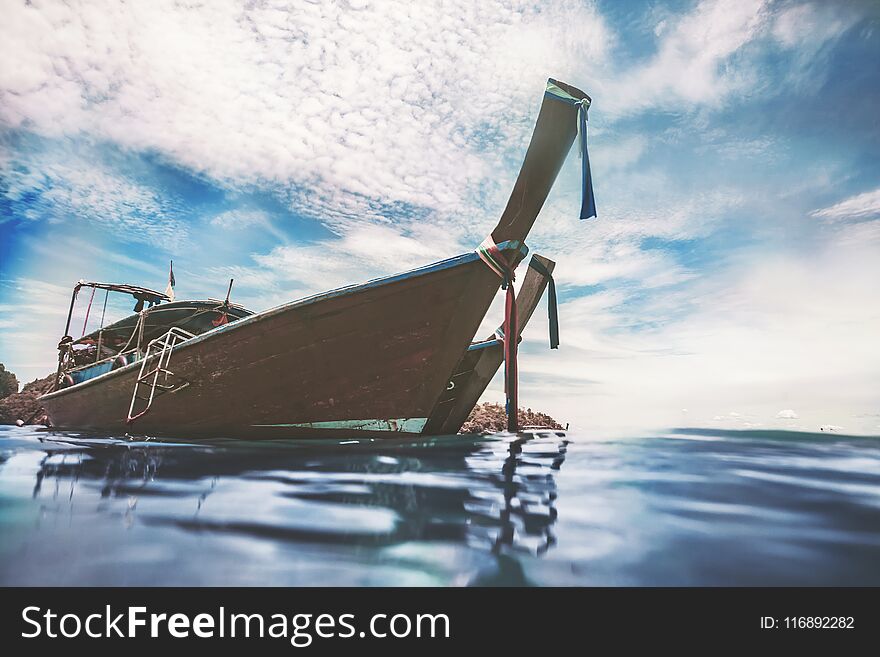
{"x":91,"y":372}
{"x":485,"y":344}
{"x":395,"y":425}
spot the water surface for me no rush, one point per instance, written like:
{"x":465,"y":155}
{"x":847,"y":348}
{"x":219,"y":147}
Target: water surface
{"x":692,"y":507}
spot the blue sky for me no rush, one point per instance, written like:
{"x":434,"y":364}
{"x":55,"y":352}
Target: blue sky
{"x":730,"y":279}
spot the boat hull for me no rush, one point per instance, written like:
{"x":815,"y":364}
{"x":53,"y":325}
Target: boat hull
{"x":369,"y":360}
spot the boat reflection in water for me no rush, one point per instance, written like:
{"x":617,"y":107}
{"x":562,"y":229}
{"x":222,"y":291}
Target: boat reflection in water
{"x":441,"y":510}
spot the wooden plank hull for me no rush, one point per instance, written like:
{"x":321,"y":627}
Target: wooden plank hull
{"x":370,"y":360}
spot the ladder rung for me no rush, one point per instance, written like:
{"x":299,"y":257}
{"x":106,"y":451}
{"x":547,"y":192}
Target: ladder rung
{"x":160,"y":349}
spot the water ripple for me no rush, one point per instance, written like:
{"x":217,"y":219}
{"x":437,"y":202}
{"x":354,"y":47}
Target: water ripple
{"x":687,"y":507}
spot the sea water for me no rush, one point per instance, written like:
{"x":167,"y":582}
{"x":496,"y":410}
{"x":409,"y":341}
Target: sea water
{"x":683,"y":507}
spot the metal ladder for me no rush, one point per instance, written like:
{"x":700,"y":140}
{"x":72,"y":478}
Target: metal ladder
{"x":160,"y":351}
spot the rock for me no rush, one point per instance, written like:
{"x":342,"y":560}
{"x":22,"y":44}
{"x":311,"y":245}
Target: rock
{"x":490,"y":418}
{"x":8,"y":382}
{"x":23,"y":406}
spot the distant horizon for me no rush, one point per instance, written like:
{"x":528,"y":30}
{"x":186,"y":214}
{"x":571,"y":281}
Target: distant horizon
{"x":729,"y":281}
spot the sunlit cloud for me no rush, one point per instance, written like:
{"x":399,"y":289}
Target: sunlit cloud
{"x":861,"y":206}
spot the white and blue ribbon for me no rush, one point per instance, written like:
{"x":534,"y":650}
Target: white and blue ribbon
{"x":588,"y":201}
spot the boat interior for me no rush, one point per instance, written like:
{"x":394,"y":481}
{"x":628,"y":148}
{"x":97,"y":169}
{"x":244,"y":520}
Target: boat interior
{"x":124,"y":341}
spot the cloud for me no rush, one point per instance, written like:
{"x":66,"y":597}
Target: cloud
{"x":623,"y":153}
{"x":40,"y":309}
{"x":715,"y":51}
{"x":342,"y":108}
{"x":763,"y":331}
{"x":76,"y":184}
{"x":812,"y":25}
{"x":689,"y":66}
{"x":238,"y":219}
{"x":861,"y":206}
{"x":786,"y":414}
{"x":363,"y":252}
{"x":612,"y":249}
{"x":246,"y":219}
{"x":400,"y":127}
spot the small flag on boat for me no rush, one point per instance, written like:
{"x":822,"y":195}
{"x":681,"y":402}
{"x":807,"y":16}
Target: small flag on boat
{"x":224,"y":315}
{"x":588,"y":201}
{"x":169,"y":291}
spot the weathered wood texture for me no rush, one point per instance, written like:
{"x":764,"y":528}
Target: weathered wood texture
{"x":381,"y":351}
{"x":555,"y":131}
{"x":477,"y":367}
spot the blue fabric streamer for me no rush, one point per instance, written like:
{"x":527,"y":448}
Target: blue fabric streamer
{"x":588,"y":201}
{"x":552,"y":310}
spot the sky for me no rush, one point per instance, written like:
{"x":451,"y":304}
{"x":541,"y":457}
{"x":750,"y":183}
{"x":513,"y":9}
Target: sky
{"x":731,"y":279}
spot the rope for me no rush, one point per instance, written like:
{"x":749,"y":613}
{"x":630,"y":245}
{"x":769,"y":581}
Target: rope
{"x":552,"y":310}
{"x":88,"y":310}
{"x":131,"y":337}
{"x":104,"y":311}
{"x":497,"y":262}
{"x":101,"y":328}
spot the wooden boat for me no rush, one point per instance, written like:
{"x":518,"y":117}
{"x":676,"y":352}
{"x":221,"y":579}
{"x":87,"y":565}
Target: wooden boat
{"x":388,"y":357}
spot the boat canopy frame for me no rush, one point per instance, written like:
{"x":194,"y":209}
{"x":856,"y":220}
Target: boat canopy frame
{"x":141,"y":295}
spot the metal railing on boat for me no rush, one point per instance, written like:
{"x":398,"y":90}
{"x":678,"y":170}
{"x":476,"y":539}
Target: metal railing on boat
{"x":159,"y":351}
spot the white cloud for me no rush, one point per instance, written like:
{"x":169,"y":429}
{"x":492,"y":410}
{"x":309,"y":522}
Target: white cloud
{"x":591,"y":253}
{"x":365,"y":252}
{"x":55,"y":186}
{"x":786,"y":414}
{"x":712,"y":52}
{"x":40,"y":309}
{"x":753,"y":336}
{"x":245,"y":219}
{"x":861,"y":206}
{"x":689,"y":66}
{"x":238,"y":219}
{"x":622,"y":153}
{"x":336,"y":105}
{"x":811,"y":25}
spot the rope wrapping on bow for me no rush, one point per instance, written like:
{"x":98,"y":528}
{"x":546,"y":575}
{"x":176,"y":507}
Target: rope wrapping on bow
{"x":588,"y":201}
{"x":552,"y":310}
{"x":497,"y":262}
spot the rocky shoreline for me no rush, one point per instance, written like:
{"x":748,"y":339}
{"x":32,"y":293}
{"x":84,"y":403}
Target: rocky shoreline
{"x":492,"y":418}
{"x":24,"y":408}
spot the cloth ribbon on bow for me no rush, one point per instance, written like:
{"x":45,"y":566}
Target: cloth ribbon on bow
{"x":588,"y":201}
{"x":552,"y":310}
{"x":497,"y":262}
